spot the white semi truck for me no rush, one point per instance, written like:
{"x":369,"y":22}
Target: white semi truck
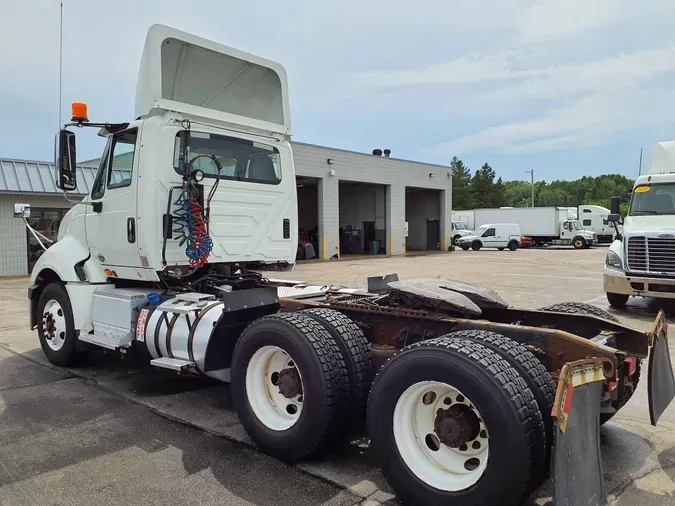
{"x":641,"y":261}
{"x":596,"y":219}
{"x":545,"y":225}
{"x":194,"y":205}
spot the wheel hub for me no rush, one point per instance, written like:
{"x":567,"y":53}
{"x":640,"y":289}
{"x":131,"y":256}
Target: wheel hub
{"x":457,"y":425}
{"x":49,"y":324}
{"x":290,"y":384}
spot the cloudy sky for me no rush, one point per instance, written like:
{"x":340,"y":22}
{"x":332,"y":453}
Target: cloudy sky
{"x":567,"y":87}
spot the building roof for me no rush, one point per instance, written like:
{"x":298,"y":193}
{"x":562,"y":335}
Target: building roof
{"x":24,"y":176}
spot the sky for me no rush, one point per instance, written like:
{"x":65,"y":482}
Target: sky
{"x":565,"y":87}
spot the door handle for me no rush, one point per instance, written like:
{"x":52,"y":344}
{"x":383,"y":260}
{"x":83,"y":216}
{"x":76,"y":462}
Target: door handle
{"x":131,"y":230}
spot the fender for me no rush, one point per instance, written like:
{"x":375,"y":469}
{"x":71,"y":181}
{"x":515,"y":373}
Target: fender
{"x":68,"y":261}
{"x":61,"y":258}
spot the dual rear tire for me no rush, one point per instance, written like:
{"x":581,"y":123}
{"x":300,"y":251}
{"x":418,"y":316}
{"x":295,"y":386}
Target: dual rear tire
{"x":449,"y":419}
{"x":300,"y":380}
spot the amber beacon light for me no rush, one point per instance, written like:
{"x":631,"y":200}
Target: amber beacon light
{"x":79,"y":112}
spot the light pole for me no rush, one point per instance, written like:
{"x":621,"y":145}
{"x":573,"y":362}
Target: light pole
{"x":531,"y":172}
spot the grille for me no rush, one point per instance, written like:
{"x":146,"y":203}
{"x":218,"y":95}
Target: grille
{"x":661,"y":255}
{"x":655,"y":255}
{"x":637,"y":254}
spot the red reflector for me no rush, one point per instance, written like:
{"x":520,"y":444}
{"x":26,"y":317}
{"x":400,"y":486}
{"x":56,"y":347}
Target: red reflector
{"x":610,"y":386}
{"x":630,"y":366}
{"x":568,"y":400}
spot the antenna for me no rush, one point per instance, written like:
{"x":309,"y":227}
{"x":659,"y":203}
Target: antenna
{"x":640,"y":167}
{"x":61,"y":67}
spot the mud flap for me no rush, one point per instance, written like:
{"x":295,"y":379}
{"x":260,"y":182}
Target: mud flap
{"x":660,"y":381}
{"x":577,"y":466}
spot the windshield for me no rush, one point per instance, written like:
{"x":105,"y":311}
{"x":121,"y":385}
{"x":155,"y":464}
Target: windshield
{"x":656,"y":198}
{"x":479,"y":231}
{"x":577,"y":226}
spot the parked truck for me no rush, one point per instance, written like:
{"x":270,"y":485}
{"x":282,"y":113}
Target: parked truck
{"x":545,"y":225}
{"x":596,"y":219}
{"x":171,"y":258}
{"x":641,"y":261}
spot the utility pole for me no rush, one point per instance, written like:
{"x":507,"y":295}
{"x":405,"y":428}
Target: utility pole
{"x":531,"y":173}
{"x":640,"y":167}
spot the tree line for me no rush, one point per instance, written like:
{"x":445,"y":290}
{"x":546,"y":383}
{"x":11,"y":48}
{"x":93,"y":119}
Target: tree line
{"x":484,"y":189}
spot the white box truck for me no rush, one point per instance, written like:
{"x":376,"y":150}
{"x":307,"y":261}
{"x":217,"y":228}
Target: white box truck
{"x":545,"y":225}
{"x":641,"y":261}
{"x":466,"y":217}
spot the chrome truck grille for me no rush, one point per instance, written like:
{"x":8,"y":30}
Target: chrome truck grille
{"x":653,"y":255}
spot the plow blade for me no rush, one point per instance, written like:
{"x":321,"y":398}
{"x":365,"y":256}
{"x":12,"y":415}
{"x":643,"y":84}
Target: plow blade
{"x":660,"y":382}
{"x":577,"y":466}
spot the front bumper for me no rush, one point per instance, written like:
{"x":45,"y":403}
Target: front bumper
{"x":617,"y":282}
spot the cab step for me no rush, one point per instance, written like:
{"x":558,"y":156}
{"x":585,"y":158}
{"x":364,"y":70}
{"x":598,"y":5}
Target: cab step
{"x":108,"y":342}
{"x":173,"y":364}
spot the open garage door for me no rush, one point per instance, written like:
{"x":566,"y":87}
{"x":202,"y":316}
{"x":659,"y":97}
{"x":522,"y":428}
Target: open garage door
{"x":308,"y":218}
{"x":362,"y":219}
{"x":423,"y":214}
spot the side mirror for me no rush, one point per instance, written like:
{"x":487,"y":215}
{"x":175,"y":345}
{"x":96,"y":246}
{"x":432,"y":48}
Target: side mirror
{"x":615,"y":206}
{"x":21,"y":210}
{"x":614,"y":218}
{"x":65,"y":160}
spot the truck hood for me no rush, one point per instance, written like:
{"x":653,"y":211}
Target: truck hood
{"x":650,"y":223}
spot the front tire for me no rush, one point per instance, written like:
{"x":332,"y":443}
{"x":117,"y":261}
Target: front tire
{"x":56,"y":326}
{"x":579,"y":242}
{"x":437,"y":410}
{"x":456,"y":239}
{"x":289,"y":385}
{"x":513,"y":245}
{"x":475,"y":245}
{"x":617,"y":300}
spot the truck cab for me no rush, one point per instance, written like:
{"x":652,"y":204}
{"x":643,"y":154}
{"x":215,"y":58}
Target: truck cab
{"x":201,"y":179}
{"x":459,"y":230}
{"x":595,"y":219}
{"x":641,"y":261}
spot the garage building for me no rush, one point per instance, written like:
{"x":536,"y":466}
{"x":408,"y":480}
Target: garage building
{"x":348,"y":204}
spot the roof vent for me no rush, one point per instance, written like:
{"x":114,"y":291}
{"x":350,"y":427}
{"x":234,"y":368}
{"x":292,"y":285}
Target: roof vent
{"x":387,"y":152}
{"x":377,"y":152}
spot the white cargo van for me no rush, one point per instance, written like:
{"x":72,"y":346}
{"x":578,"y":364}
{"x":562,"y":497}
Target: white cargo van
{"x":497,"y":235}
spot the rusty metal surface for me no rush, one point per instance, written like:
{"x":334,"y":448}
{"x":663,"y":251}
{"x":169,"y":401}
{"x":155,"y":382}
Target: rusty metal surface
{"x":392,"y":325}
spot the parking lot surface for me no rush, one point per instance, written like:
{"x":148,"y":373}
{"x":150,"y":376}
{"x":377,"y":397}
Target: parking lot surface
{"x":113,"y":432}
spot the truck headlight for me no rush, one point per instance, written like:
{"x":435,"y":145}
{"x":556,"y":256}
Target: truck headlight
{"x":613,"y":260}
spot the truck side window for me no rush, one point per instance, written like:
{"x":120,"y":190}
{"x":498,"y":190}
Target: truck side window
{"x":123,"y":148}
{"x":490,"y":232}
{"x":98,"y":188}
{"x":241,"y":160}
{"x":587,"y":223}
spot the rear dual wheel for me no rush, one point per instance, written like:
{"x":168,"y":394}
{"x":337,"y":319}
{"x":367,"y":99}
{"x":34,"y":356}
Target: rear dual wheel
{"x":452,"y":422}
{"x":299,"y":381}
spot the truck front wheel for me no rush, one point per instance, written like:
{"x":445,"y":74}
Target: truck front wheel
{"x":289,"y":385}
{"x":579,"y":242}
{"x":617,"y":300}
{"x":56,"y":326}
{"x":475,"y":245}
{"x":449,"y":422}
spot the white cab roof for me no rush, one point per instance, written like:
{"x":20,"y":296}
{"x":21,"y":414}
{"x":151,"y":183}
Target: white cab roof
{"x":663,"y":159}
{"x":197,"y":77}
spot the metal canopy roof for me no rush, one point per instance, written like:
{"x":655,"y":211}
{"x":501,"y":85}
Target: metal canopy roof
{"x":23,"y":176}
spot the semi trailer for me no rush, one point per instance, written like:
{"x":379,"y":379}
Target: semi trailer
{"x":172,"y":256}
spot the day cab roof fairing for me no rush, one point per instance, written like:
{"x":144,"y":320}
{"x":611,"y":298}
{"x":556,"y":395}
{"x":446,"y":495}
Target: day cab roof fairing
{"x":200,"y":78}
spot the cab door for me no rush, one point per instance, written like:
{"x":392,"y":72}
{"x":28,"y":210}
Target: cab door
{"x":111,"y":224}
{"x":489,"y":238}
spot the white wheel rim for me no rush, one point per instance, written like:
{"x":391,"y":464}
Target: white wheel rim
{"x":271,"y":407}
{"x":54,"y":325}
{"x":444,"y":468}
